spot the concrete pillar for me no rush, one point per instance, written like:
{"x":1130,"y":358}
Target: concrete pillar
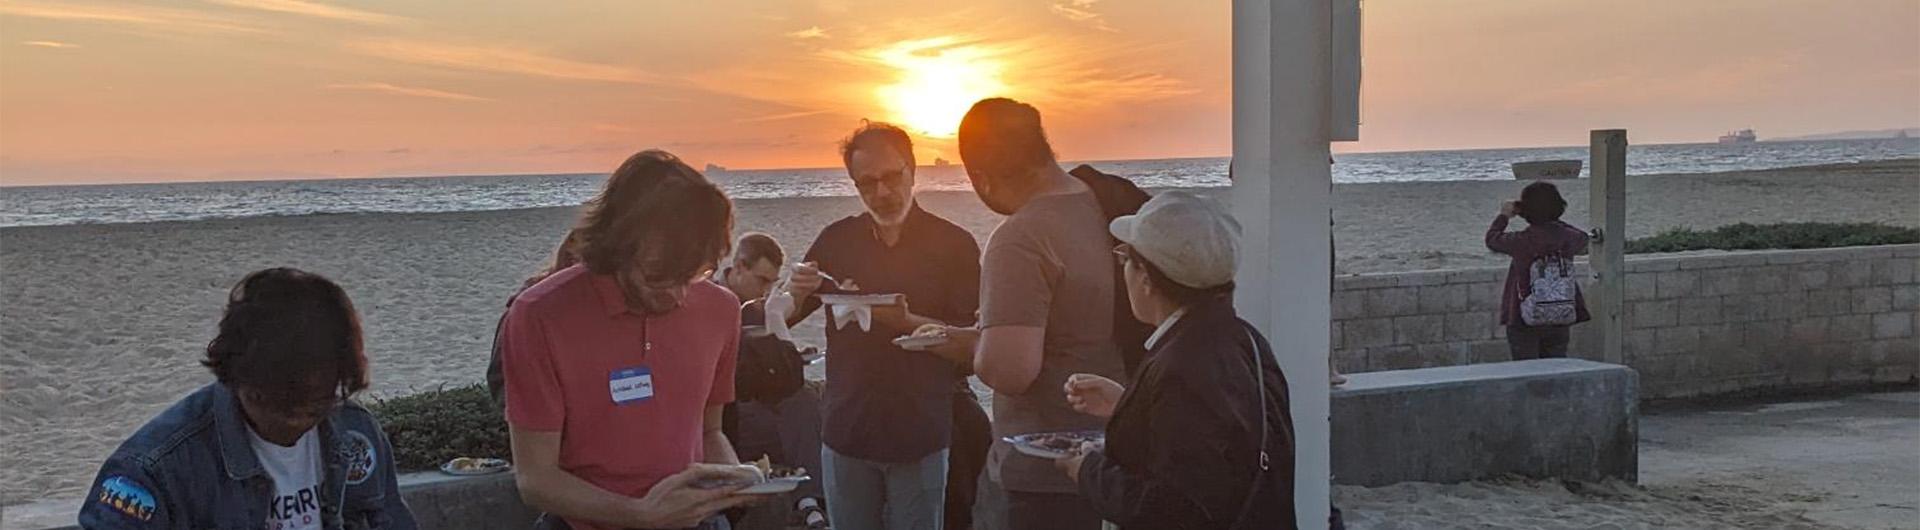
{"x":1281,"y":196}
{"x":1608,"y":206}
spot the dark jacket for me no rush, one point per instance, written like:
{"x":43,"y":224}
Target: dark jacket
{"x":1556,"y":238}
{"x":769,"y":369}
{"x":1181,"y":445}
{"x":192,"y":467}
{"x":1118,"y":196}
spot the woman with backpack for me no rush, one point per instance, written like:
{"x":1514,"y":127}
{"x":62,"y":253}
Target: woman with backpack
{"x":1542,"y":299}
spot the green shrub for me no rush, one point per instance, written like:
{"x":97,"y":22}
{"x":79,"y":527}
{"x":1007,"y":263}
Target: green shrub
{"x":432,"y":427}
{"x":1745,"y":236}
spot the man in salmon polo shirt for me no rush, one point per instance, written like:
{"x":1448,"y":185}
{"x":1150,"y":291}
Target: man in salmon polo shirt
{"x":617,"y":368}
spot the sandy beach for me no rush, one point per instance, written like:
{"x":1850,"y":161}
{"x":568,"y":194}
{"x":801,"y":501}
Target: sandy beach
{"x":1543,"y":505}
{"x":100,"y":325}
{"x":1807,"y":462}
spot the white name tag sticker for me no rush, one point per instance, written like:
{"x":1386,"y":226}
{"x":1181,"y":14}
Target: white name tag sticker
{"x":631,"y":385}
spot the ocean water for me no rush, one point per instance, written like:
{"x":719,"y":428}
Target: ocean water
{"x":134,"y":203}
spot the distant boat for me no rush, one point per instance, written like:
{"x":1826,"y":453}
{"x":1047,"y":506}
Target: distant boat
{"x":715,"y":168}
{"x":1547,"y":169}
{"x":1742,"y":136}
{"x":941,"y":162}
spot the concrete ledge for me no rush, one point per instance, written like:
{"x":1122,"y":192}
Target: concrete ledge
{"x":438,"y":501}
{"x":1551,"y":418}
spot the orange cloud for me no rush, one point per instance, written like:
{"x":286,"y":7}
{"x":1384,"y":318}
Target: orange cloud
{"x":496,"y":60}
{"x":312,"y":9}
{"x":936,"y":80}
{"x":782,"y":116}
{"x":385,"y":88}
{"x":48,"y":44}
{"x":172,"y":20}
{"x":1051,"y":70}
{"x":810,"y":33}
{"x":1080,"y":11}
{"x":926,"y":82}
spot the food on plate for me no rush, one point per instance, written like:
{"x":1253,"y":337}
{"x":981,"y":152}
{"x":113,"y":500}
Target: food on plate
{"x":1061,"y":441}
{"x":469,"y":464}
{"x":1057,"y":444}
{"x":929,"y":330}
{"x":923,"y":338}
{"x":770,"y":471}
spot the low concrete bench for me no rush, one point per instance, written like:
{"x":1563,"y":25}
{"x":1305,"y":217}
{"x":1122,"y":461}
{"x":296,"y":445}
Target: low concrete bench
{"x":438,"y":501}
{"x":1548,"y":418}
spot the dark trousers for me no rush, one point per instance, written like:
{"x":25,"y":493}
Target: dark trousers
{"x":972,"y":437}
{"x":1548,"y":342}
{"x":1050,"y":511}
{"x":787,"y":432}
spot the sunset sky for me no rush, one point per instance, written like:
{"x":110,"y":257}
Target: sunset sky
{"x":251,"y":89}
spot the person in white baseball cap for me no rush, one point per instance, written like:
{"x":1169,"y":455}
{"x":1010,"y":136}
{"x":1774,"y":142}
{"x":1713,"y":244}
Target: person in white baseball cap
{"x":1204,"y":433}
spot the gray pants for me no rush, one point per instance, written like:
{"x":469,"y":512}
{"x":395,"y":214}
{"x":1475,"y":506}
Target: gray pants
{"x":868,"y":495}
{"x":1528,"y":342}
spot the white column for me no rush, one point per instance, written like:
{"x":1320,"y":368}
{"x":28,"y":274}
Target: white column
{"x":1282,"y":196}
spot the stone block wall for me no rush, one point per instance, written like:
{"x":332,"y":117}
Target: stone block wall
{"x":1548,"y":418}
{"x":1696,"y":325}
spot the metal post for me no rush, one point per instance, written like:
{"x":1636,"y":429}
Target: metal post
{"x":1608,"y":205}
{"x":1281,"y":95}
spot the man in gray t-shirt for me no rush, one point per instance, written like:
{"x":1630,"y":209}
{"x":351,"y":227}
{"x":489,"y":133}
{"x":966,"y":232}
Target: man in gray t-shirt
{"x":1049,"y":267}
{"x":1046,"y":305}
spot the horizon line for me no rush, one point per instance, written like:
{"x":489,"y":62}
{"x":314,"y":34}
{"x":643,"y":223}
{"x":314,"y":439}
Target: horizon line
{"x":310,"y":178}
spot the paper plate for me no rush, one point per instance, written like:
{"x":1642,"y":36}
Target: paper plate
{"x":487,"y":466}
{"x":775,"y":485}
{"x":1025,"y":443}
{"x":859,"y":299}
{"x":919,"y":342}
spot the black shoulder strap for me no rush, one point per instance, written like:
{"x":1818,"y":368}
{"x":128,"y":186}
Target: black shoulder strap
{"x":1260,"y":390}
{"x":496,"y":373}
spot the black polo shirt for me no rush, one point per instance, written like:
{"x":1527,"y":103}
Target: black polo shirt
{"x":883,"y":403}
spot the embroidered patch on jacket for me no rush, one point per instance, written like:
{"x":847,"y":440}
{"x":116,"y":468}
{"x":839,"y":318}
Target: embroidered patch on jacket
{"x":356,"y":453}
{"x":127,"y":497}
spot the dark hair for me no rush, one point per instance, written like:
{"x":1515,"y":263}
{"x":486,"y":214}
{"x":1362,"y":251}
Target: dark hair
{"x":657,"y":217}
{"x":875,"y":131}
{"x":1181,"y":295}
{"x":755,"y":246}
{"x":1540,"y":202}
{"x":284,"y":328}
{"x":1003,"y":138}
{"x":563,"y":257}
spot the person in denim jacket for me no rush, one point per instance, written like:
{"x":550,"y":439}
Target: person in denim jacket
{"x":274,"y":442}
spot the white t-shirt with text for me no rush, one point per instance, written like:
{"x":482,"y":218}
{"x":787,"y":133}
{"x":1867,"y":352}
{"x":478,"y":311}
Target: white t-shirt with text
{"x":296,"y":473}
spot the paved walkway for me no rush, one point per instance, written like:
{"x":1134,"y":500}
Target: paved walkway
{"x":1850,"y":462}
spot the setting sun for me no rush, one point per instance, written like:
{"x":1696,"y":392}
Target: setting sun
{"x":938,"y":79}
